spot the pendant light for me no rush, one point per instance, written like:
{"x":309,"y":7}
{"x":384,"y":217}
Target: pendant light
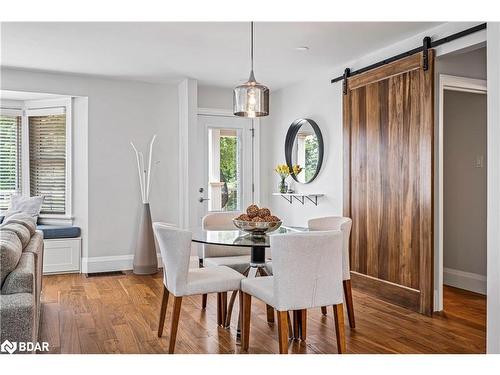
{"x":251,"y":99}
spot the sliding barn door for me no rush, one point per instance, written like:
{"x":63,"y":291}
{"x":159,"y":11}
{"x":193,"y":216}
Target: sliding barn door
{"x":388,"y":181}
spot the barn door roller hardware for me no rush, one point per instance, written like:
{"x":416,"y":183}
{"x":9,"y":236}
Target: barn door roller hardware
{"x":347,"y":73}
{"x":426,"y":45}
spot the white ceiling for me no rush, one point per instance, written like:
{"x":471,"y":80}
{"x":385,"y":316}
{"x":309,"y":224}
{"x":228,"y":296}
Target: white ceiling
{"x":215,"y":53}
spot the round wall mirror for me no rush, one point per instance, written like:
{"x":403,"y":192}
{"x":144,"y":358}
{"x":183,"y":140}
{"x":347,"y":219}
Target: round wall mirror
{"x":304,"y":147}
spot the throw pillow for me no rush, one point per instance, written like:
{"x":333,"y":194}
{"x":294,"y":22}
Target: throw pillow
{"x":27,"y":205}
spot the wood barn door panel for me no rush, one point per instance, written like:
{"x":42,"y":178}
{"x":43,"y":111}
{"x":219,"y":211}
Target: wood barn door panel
{"x":388,"y":138}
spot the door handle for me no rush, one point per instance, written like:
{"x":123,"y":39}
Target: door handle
{"x":201,"y":199}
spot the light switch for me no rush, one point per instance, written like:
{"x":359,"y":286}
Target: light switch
{"x":479,"y":161}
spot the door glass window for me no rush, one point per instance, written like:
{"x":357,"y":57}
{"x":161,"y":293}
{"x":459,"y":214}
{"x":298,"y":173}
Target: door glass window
{"x":224,"y":166}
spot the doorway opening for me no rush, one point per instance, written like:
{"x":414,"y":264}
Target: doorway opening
{"x":464,"y":204}
{"x":462,"y":181}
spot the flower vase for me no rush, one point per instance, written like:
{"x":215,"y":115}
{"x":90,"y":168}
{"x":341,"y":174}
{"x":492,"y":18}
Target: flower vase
{"x":145,"y":258}
{"x":283,"y":186}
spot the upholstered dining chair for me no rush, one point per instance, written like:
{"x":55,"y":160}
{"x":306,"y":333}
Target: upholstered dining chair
{"x":343,"y":224}
{"x":307,"y":274}
{"x":180,"y":280}
{"x":237,"y":258}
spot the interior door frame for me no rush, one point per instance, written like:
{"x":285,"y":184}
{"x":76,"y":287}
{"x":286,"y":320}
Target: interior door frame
{"x":451,"y":83}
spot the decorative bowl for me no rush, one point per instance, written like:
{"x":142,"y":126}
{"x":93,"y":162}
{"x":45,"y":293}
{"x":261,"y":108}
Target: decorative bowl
{"x":257,"y":227}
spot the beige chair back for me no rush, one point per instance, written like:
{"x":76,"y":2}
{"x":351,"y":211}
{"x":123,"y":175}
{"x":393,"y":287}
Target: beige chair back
{"x":343,"y":224}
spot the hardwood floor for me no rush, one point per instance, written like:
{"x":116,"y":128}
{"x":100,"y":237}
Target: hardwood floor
{"x":119,"y":314}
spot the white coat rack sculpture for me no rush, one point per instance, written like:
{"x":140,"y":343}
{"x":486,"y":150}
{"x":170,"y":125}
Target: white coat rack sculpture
{"x":145,"y":259}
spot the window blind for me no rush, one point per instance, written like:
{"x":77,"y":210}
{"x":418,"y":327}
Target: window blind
{"x":10,"y":158}
{"x":47,"y":151}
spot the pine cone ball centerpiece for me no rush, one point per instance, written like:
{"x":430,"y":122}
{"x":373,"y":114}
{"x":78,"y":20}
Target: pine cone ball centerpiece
{"x":257,"y":221}
{"x":244,"y":217}
{"x":263,"y":212}
{"x":253,"y":210}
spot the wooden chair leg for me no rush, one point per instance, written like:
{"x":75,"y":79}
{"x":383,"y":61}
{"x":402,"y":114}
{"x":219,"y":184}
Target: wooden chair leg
{"x":290,"y":326}
{"x":245,"y":311}
{"x":230,"y":307}
{"x":303,"y":324}
{"x":203,"y":296}
{"x":338,"y":313}
{"x":323,"y":310}
{"x":283,"y":331}
{"x":223,"y":308}
{"x":176,"y":312}
{"x":348,"y":301}
{"x":296,"y":324}
{"x":163,"y":310}
{"x":219,"y":309}
{"x":270,"y":314}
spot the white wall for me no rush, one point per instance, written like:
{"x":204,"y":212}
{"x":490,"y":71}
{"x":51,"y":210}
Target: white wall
{"x":467,"y":63}
{"x":118,"y":112}
{"x":316,"y":99}
{"x":215,"y":97}
{"x":493,"y":281}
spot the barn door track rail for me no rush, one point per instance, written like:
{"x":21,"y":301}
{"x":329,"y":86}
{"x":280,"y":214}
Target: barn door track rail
{"x":426,"y":45}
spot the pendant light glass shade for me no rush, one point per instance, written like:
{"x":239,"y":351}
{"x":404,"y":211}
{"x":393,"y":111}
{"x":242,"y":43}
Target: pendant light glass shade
{"x":251,"y":99}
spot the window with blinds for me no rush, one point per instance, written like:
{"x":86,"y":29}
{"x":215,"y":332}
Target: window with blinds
{"x":10,"y":158}
{"x":47,"y":155}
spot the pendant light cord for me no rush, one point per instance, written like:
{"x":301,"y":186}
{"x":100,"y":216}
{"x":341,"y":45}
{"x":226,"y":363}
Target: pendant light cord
{"x":251,"y":43}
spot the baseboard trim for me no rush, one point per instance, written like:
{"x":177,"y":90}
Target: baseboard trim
{"x":465,"y":280}
{"x":110,"y":263}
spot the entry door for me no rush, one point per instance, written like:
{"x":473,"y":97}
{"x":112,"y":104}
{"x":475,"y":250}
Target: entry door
{"x":388,"y":181}
{"x":226,"y":165}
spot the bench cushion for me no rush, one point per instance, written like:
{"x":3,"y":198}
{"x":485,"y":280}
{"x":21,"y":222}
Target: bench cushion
{"x":56,"y":231}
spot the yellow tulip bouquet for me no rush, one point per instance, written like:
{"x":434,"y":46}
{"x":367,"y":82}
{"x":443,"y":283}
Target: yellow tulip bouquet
{"x":284,"y":171}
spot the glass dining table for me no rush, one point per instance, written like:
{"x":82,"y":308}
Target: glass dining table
{"x":257,"y":245}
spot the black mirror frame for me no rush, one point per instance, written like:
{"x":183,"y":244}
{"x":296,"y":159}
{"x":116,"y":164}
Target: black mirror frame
{"x":290,"y":140}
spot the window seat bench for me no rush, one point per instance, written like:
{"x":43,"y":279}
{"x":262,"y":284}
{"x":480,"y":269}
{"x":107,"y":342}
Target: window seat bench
{"x":62,"y":245}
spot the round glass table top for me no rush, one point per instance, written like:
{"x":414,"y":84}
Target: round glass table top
{"x":237,"y":237}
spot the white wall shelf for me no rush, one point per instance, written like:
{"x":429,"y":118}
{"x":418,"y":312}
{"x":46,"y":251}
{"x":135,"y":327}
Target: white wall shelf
{"x":301,"y":198}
